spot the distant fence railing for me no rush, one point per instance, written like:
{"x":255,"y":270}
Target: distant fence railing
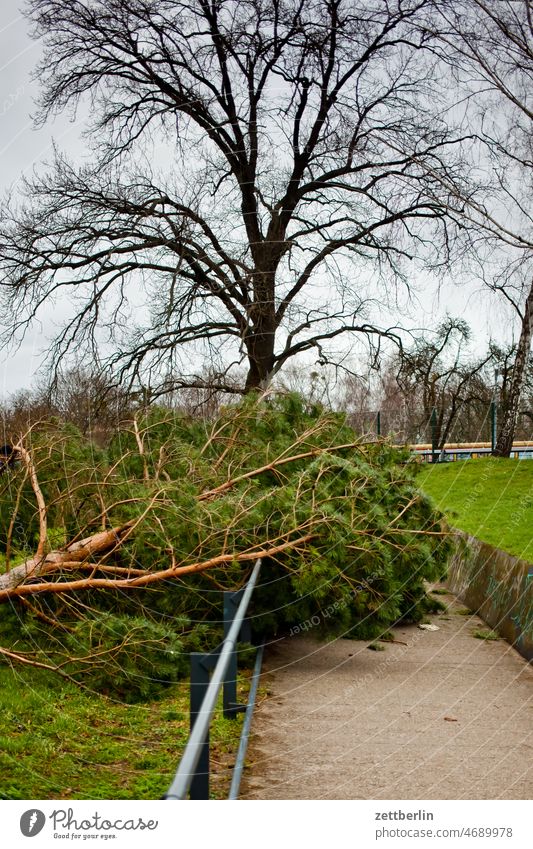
{"x":211,"y":673}
{"x":407,"y":425}
{"x":467,"y":451}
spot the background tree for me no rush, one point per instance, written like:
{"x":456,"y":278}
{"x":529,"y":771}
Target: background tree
{"x":305,"y":159}
{"x":490,"y":47}
{"x":504,"y":371}
{"x":439,"y":371}
{"x":83,"y":397}
{"x":438,"y":374}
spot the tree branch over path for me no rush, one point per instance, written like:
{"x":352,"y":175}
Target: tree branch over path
{"x":74,"y":554}
{"x":151,"y":577}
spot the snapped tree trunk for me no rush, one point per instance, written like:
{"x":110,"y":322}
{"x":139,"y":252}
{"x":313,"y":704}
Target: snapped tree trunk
{"x":504,"y":443}
{"x":66,"y":558}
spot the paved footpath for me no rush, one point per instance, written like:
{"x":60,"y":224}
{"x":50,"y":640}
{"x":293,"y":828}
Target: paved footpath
{"x":437,"y":715}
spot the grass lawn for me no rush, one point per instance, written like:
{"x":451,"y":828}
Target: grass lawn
{"x":58,"y":741}
{"x":491,"y":499}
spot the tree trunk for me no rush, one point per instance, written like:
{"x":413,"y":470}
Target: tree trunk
{"x":69,"y":557}
{"x":504,"y":443}
{"x":260,"y":349}
{"x":261,"y":338}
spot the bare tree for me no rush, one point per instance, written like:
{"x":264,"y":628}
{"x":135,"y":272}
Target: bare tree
{"x":490,"y":45}
{"x":305,"y":161}
{"x":438,"y":375}
{"x":437,"y":372}
{"x":81,"y":396}
{"x":504,"y":383}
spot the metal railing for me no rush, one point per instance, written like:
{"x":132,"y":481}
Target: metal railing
{"x":209,"y":674}
{"x":468,"y":451}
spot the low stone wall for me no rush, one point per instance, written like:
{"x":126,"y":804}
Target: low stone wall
{"x":498,"y":587}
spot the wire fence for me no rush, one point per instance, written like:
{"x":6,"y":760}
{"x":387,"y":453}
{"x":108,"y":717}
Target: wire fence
{"x":407,"y":426}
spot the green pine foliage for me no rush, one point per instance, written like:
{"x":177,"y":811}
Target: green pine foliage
{"x":360,"y":540}
{"x":127,"y":656}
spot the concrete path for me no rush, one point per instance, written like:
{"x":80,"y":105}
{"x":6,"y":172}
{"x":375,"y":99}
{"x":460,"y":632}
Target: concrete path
{"x":437,"y":715}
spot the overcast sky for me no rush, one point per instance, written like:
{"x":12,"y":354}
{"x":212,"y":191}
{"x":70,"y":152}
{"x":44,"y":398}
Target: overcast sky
{"x":23,"y":147}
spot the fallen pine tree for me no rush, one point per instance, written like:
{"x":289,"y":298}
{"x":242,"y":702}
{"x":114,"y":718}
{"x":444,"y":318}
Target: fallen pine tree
{"x":146,"y":533}
{"x":21,"y":580}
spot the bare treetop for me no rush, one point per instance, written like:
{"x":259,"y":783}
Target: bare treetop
{"x":490,"y":47}
{"x":307,"y":155}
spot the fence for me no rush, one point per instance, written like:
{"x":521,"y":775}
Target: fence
{"x":465,"y":451}
{"x":192,"y":775}
{"x":407,"y":426}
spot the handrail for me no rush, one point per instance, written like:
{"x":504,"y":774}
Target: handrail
{"x":186,"y":770}
{"x":245,"y":734}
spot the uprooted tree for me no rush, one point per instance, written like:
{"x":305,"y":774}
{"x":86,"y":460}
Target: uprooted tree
{"x":301,"y":157}
{"x":114,"y":558}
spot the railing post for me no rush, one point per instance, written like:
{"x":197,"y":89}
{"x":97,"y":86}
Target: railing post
{"x":493,"y":416}
{"x":201,"y":668}
{"x":434,"y":447}
{"x":230,"y":705}
{"x":378,"y":423}
{"x":192,"y":775}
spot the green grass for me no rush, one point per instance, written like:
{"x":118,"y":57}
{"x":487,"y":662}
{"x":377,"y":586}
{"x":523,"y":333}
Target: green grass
{"x":491,"y":499}
{"x":58,"y":741}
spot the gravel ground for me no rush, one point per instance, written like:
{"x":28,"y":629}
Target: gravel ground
{"x":437,"y":715}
